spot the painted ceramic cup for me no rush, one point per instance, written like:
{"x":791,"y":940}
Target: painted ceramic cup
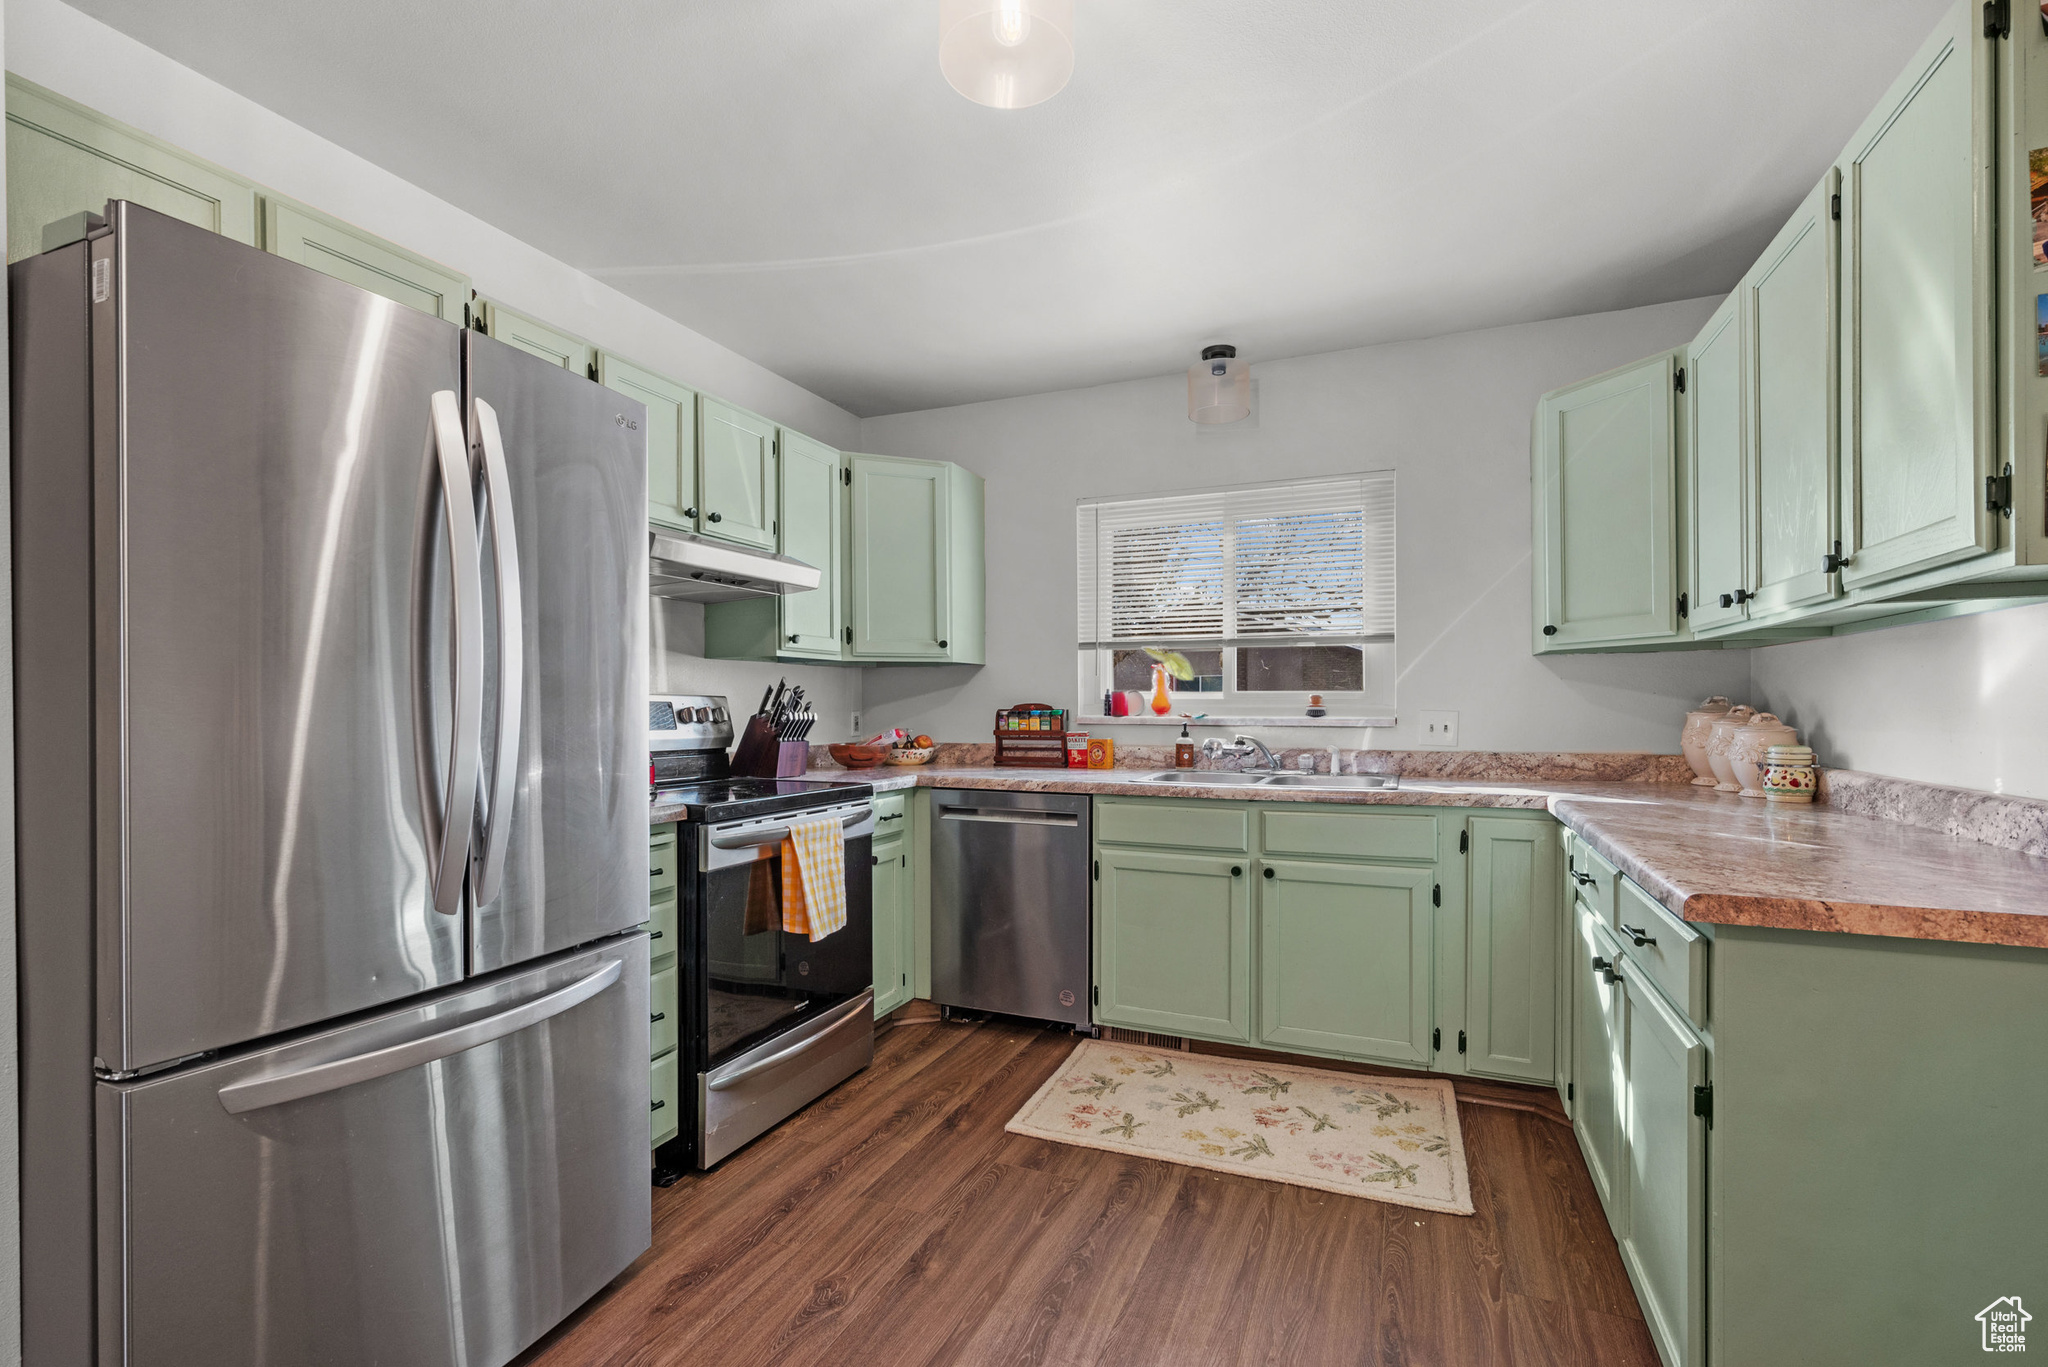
{"x":1748,"y":745}
{"x":1719,"y":735}
{"x":1790,"y":775}
{"x":1693,"y":739}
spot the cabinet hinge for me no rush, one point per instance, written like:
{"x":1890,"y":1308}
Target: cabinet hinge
{"x":1703,"y":1103}
{"x":1679,"y":379}
{"x":1463,"y":841}
{"x":1835,"y":207}
{"x":1461,"y":1041}
{"x":1098,"y":870}
{"x":905,"y":979}
{"x":849,"y":635}
{"x":1684,"y":606}
{"x":1436,"y":1040}
{"x":1571,"y":1090}
{"x":1095,"y":994}
{"x":1997,"y":18}
{"x":846,"y":477}
{"x":774,"y":528}
{"x":1998,"y":492}
{"x":1436,"y":894}
{"x":592,"y":371}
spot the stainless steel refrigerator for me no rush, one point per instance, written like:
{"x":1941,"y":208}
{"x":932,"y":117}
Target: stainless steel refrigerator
{"x":330,"y":719}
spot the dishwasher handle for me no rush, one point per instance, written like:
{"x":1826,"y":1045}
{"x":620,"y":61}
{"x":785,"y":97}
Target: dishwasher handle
{"x":1009,"y":817}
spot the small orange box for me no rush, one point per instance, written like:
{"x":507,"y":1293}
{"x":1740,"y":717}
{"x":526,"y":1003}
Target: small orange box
{"x":1101,"y":753}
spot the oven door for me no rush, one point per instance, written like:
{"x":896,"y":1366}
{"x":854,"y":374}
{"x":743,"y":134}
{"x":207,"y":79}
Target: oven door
{"x":754,"y":981}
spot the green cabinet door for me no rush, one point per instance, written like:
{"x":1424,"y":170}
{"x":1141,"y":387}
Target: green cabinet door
{"x":1714,"y":406}
{"x":332,"y":247}
{"x":892,"y":922}
{"x":899,"y":590}
{"x":671,"y":439}
{"x":64,"y":160}
{"x":1597,"y":1079}
{"x":1173,"y":943}
{"x":736,"y":474}
{"x":1663,"y":1234}
{"x":1605,"y":510}
{"x":1917,"y":237}
{"x":1791,"y":299}
{"x":1344,"y":959}
{"x":531,"y":335}
{"x":1511,"y":949}
{"x":813,"y":520}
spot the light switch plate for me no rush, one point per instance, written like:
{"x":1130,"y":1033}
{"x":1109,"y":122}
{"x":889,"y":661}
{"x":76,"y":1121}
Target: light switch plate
{"x":853,"y":728}
{"x":1439,"y":730}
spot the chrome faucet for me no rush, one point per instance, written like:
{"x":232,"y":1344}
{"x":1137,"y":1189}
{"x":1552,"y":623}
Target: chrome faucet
{"x":1241,"y":746}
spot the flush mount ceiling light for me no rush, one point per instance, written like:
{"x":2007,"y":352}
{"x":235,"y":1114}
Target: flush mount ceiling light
{"x":1219,"y":386}
{"x":1007,"y":54}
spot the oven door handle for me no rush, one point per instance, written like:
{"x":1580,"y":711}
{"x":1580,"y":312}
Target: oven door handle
{"x":775,"y":835}
{"x":821,"y":1034}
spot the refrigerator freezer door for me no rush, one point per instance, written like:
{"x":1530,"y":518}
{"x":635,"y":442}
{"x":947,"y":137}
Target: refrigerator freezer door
{"x":263,"y":466}
{"x":438,"y":1185}
{"x":573,"y":841}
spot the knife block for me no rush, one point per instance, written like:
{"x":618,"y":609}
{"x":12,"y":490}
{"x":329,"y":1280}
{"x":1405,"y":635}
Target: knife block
{"x":762,"y":755}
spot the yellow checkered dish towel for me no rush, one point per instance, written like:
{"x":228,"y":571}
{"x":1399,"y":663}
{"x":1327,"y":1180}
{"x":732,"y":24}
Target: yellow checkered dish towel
{"x":814,"y":877}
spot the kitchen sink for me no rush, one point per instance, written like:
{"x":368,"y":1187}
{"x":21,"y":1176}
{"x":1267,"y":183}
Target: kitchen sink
{"x":1353,"y":781}
{"x":1226,"y":778}
{"x":1206,"y":778}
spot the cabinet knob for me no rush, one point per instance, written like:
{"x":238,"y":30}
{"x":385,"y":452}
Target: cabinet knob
{"x":714,"y":517}
{"x":690,"y":513}
{"x":1600,"y":965}
{"x":942,"y":645}
{"x":1638,"y":936}
{"x":1237,"y":870}
{"x":657,"y":1016}
{"x":1550,"y":631}
{"x":1585,"y":880}
{"x":1269,"y":873}
{"x":1727,"y":600}
{"x":792,"y":638}
{"x":1743,"y":595}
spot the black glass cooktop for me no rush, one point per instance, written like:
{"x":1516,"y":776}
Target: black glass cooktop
{"x":741,"y":799}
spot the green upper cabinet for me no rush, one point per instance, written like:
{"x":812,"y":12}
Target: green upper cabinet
{"x":736,"y":474}
{"x":813,"y":531}
{"x":1790,"y":296}
{"x":332,"y":247}
{"x":64,"y":160}
{"x":530,"y":335}
{"x":1511,"y":948}
{"x":1721,"y":562}
{"x":671,"y":440}
{"x":914,"y":561}
{"x":1173,"y":943}
{"x":1344,"y":958}
{"x":1606,"y":515}
{"x":1918,"y":352}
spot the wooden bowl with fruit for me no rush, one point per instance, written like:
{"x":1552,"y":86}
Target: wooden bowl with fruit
{"x":916,"y":750}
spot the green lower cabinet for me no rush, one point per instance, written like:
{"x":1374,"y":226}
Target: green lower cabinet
{"x":1344,"y":959}
{"x":1511,"y":949}
{"x":664,"y":1102}
{"x":1173,"y":943}
{"x":1663,"y":1231}
{"x":1597,"y":1061}
{"x":892,"y":911}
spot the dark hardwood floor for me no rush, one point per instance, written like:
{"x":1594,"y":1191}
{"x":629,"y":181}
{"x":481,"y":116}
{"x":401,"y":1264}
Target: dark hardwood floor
{"x":894,"y":1222}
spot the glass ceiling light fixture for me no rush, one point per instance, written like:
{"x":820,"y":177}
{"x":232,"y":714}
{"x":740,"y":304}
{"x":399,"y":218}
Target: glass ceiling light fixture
{"x":1007,"y":54}
{"x":1219,"y":386}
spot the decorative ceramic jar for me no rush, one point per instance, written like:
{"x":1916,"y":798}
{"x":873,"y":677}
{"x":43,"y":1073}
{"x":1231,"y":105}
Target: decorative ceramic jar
{"x":1790,"y":774}
{"x":1719,"y":733}
{"x":1747,"y":746}
{"x":1693,"y":739}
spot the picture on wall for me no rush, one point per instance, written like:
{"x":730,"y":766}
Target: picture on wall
{"x":2037,"y":174}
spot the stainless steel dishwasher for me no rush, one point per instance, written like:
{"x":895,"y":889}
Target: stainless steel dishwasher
{"x":1010,"y":903}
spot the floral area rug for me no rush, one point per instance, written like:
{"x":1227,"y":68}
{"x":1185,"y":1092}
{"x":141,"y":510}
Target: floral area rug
{"x":1389,"y":1139}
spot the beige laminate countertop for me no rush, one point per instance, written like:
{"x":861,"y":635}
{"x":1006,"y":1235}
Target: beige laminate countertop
{"x":1708,"y":857}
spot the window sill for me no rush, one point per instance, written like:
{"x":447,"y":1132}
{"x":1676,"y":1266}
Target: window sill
{"x":1223,"y":723}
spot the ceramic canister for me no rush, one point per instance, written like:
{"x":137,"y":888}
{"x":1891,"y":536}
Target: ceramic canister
{"x":1693,"y":739}
{"x":1747,"y":746}
{"x":1718,"y":734}
{"x":1790,"y":774}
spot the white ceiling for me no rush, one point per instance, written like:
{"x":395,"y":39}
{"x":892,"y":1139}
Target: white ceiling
{"x":795,"y":179}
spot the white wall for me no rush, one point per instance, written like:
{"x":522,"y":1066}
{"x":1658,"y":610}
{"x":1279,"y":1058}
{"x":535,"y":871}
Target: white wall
{"x":1957,"y":702}
{"x":1450,"y":415}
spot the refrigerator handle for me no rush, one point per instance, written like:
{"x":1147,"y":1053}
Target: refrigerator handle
{"x":490,"y":857}
{"x":451,"y":819}
{"x":254,"y":1093}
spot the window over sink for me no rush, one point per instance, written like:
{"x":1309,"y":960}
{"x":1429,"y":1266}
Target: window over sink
{"x":1271,"y":592}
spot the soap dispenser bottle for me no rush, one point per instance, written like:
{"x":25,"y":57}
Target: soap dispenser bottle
{"x":1184,"y":749}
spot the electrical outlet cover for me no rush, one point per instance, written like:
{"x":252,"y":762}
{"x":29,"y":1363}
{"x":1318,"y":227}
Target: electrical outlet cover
{"x":1439,"y":730}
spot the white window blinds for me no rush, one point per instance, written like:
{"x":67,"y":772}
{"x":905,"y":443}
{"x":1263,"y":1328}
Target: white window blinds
{"x":1312,"y":560}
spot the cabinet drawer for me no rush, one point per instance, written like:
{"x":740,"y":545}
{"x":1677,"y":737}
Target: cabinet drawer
{"x":661,"y":863}
{"x":1671,"y":953}
{"x":664,"y":1100}
{"x":661,"y":931}
{"x":891,"y":813}
{"x":1595,"y":879}
{"x":1352,"y":835}
{"x":663,"y":1003}
{"x":1188,"y":825}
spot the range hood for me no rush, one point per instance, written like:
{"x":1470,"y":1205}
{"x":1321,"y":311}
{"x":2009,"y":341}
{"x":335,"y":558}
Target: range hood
{"x":689,"y":567}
